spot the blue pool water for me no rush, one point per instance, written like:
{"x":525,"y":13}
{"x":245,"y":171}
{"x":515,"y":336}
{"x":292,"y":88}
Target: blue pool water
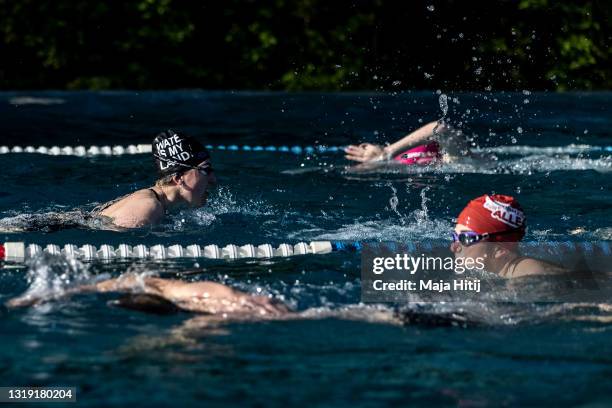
{"x":550,"y":153}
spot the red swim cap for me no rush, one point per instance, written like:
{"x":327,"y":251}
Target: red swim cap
{"x":495,"y":213}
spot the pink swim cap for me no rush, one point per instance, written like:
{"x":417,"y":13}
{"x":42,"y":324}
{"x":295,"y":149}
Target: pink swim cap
{"x":423,"y":154}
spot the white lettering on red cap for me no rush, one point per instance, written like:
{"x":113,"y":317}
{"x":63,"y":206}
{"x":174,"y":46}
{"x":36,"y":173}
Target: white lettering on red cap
{"x":505,"y":213}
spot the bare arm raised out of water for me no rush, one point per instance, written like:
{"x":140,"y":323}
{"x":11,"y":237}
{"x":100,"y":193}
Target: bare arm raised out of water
{"x":366,"y":152}
{"x":452,"y":144}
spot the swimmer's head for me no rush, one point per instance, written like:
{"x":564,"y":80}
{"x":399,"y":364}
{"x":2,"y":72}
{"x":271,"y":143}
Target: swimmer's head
{"x":488,"y":231}
{"x":176,"y":153}
{"x":489,"y":227}
{"x":499,"y":216}
{"x":184,"y":163}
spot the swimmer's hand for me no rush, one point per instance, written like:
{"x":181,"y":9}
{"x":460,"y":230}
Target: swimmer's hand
{"x":28,"y":300}
{"x":366,"y":152}
{"x":23,"y":301}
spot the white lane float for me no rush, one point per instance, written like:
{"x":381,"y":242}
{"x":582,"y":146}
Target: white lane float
{"x":79,"y":151}
{"x":20,"y":252}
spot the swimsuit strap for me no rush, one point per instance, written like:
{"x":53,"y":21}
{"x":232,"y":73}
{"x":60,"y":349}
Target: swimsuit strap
{"x":156,"y":196}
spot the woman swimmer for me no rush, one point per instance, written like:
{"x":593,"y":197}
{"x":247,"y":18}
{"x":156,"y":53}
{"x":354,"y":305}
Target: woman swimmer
{"x":429,"y":144}
{"x":185,"y":177}
{"x":490,"y":227}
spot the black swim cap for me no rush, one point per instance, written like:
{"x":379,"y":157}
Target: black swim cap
{"x":174,"y":152}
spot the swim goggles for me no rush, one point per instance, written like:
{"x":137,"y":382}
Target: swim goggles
{"x":204,"y":168}
{"x":467,"y":238}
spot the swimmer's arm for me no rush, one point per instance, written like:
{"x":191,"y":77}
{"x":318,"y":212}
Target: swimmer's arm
{"x":27,"y":300}
{"x":170,"y":289}
{"x":124,"y":284}
{"x":367,"y":152}
{"x":422,"y":135}
{"x":202,"y":297}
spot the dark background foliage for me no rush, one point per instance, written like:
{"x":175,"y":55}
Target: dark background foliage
{"x":305,"y":44}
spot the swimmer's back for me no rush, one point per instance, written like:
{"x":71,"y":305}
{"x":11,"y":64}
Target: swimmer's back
{"x":138,"y":209}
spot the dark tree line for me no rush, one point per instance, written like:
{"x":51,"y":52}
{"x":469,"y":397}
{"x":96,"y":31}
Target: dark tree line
{"x":305,"y":44}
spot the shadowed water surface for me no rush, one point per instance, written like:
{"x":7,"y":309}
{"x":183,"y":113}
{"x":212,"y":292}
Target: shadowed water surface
{"x":549,"y":152}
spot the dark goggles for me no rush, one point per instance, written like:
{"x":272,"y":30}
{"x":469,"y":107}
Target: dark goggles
{"x":467,"y":238}
{"x":205,"y":168}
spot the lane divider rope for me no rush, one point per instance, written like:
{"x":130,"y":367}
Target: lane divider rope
{"x":83,"y":151}
{"x":20,"y":252}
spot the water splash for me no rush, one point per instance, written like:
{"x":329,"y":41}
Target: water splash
{"x":415,"y":226}
{"x":421,"y":215}
{"x":225,"y":202}
{"x":55,"y":220}
{"x":50,"y":276}
{"x":542,"y":164}
{"x":46,"y":222}
{"x":187,"y":218}
{"x":443,"y":101}
{"x":526,"y":165}
{"x":524,"y":150}
{"x":393,"y":202}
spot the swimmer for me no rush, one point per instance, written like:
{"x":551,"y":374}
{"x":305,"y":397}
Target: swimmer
{"x":198,"y":297}
{"x":491,"y":227}
{"x":185,"y":175}
{"x":213,"y":302}
{"x":434,"y":142}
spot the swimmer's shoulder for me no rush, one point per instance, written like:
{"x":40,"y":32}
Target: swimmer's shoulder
{"x":526,"y":266}
{"x":136,"y":210}
{"x":147,"y":202}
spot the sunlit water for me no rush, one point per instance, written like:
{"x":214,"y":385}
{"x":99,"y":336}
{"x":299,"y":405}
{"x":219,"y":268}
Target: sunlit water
{"x":549,"y":151}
